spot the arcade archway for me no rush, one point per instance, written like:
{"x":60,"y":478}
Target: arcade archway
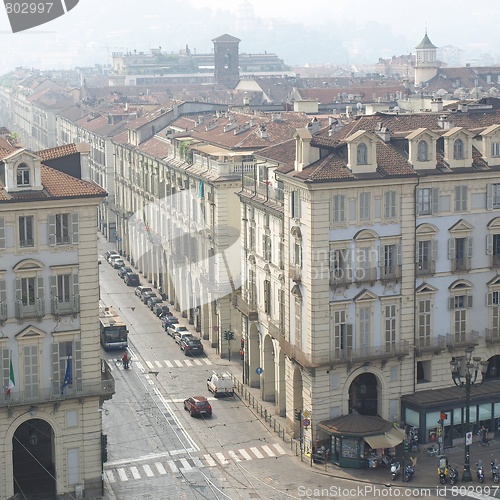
{"x":363,"y":395}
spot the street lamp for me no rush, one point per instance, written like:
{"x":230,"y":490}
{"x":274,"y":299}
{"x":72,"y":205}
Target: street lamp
{"x":466,"y":374}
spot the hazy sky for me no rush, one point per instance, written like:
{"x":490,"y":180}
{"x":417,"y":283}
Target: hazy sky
{"x":329,"y":31}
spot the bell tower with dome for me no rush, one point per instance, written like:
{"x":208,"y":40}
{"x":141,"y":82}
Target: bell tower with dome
{"x":426,"y":65}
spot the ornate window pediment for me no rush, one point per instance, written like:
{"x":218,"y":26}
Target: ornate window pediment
{"x":426,"y":288}
{"x":31,"y":332}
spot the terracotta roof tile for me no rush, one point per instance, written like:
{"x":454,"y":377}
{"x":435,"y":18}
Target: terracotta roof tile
{"x":57,"y":152}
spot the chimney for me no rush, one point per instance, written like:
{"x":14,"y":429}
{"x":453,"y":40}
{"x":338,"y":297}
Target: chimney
{"x":437,"y":105}
{"x":445,"y":123}
{"x":313,"y":126}
{"x":383,"y":132}
{"x":304,"y":153}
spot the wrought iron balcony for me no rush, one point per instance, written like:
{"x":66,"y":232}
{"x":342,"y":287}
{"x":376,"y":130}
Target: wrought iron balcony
{"x":430,"y":344}
{"x":72,"y":307}
{"x":495,"y":261}
{"x":426,"y":267}
{"x":246,"y":308}
{"x":492,"y":336}
{"x":35,"y":310}
{"x":104,"y":388}
{"x":461,"y":265}
{"x":461,"y":340}
{"x":390,"y":273}
{"x":340,"y":278}
{"x":368,"y":275}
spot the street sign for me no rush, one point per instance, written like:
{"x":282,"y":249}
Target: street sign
{"x":258,"y":370}
{"x":468,"y":438}
{"x":305,"y":413}
{"x":306,"y":422}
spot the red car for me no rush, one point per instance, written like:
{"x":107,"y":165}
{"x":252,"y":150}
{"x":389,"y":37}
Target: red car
{"x":197,"y":406}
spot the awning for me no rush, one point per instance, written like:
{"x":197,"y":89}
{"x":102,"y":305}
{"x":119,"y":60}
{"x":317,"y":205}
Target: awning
{"x":389,"y":439}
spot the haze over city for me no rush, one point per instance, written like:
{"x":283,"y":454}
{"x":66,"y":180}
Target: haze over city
{"x":341,"y":33}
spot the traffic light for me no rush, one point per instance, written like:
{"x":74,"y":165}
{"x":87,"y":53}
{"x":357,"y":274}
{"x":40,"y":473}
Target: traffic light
{"x":104,"y":448}
{"x":230,"y":335}
{"x":406,"y":446}
{"x":298,"y":415}
{"x":226,"y":334}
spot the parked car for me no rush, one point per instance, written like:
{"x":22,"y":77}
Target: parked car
{"x":118,"y":263}
{"x":113,"y":257}
{"x":108,"y":254}
{"x":182,"y":335}
{"x":152,"y":301}
{"x":123,"y":271}
{"x":177,"y":328}
{"x":147,"y":295}
{"x":220,"y":384}
{"x":169,"y":321}
{"x":191,"y":346}
{"x":198,"y":406}
{"x":161,"y":309}
{"x":132,"y":279}
{"x":140,"y":289}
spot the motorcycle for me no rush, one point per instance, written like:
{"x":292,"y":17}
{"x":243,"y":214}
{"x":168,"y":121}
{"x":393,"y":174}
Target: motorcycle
{"x":395,"y":470}
{"x":442,"y":470}
{"x":494,"y":471}
{"x":408,"y":473}
{"x":453,"y":476}
{"x":480,"y":471}
{"x":432,"y":451}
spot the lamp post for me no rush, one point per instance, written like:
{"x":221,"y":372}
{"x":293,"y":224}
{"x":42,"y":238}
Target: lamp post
{"x":466,"y":374}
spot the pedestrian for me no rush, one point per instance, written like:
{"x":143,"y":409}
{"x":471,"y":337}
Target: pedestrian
{"x":125,"y":360}
{"x":484,"y":436}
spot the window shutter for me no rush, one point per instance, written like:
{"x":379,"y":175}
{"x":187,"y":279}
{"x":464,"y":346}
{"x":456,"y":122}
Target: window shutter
{"x":53,"y":287}
{"x":40,"y":294}
{"x":78,"y":363}
{"x":18,"y":290}
{"x":341,"y":208}
{"x":2,"y":232}
{"x":434,"y":250}
{"x":381,"y":256}
{"x":435,"y":201}
{"x":6,"y":367}
{"x":451,"y":249}
{"x":348,"y":336}
{"x":489,"y":244}
{"x":399,"y":254}
{"x":489,"y":299}
{"x":469,"y":301}
{"x":417,"y":252}
{"x":489,"y":197}
{"x":470,"y":242}
{"x":56,"y":383}
{"x":451,"y":303}
{"x":3,"y":300}
{"x":52,"y":229}
{"x":75,"y":228}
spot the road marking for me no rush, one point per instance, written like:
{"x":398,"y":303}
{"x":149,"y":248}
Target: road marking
{"x":197,"y":362}
{"x":233,"y":455}
{"x":127,"y":461}
{"x":279,"y":449}
{"x":160,"y":468}
{"x":268,"y":450}
{"x":172,"y":466}
{"x":256,"y":452}
{"x":110,"y":476}
{"x":245,"y":454}
{"x":210,"y":461}
{"x":150,"y":365}
{"x":178,"y":363}
{"x":139,"y":366}
{"x":158,"y":364}
{"x":207,"y":361}
{"x":147,"y":470}
{"x":177,"y":452}
{"x":168,"y":363}
{"x":188,"y":362}
{"x":222,"y":458}
{"x":186,"y":466}
{"x":122,"y":474}
{"x":135,"y":473}
{"x":198,"y":463}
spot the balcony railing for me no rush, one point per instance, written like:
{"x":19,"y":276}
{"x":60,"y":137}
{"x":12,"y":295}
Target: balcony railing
{"x":461,"y":265}
{"x":104,"y":388}
{"x":72,"y":307}
{"x":463,"y":339}
{"x":245,"y":307}
{"x":276,"y":329}
{"x":494,"y":261}
{"x":368,"y":275}
{"x":492,"y":336}
{"x":340,"y":278}
{"x":36,"y":310}
{"x":390,"y":273}
{"x":295,"y":273}
{"x":430,"y":344}
{"x":426,"y":267}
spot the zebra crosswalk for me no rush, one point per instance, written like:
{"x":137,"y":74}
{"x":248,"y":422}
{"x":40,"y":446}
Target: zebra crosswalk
{"x":183,"y":465}
{"x":166,"y":363}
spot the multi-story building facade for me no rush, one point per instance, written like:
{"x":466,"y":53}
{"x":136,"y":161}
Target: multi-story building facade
{"x":53,"y":377}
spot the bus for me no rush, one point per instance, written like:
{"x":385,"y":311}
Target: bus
{"x":113,"y":330}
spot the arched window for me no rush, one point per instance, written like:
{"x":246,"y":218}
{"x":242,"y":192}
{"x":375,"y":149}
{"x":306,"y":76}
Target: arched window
{"x":362,"y":154}
{"x":23,"y":175}
{"x":423,"y":151}
{"x":458,"y":150}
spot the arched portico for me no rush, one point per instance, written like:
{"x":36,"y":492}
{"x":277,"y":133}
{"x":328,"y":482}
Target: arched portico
{"x":268,"y":377}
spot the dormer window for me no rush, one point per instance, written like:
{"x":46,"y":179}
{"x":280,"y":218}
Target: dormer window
{"x":458,"y":150}
{"x":23,"y":175}
{"x":423,"y":151}
{"x":362,"y":154}
{"x":495,"y":149}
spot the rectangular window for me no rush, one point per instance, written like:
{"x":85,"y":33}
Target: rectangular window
{"x":390,"y":326}
{"x":62,"y":229}
{"x":342,"y":334}
{"x":338,"y":212}
{"x":364,"y":317}
{"x":295,"y":204}
{"x":495,"y":149}
{"x":493,"y":196}
{"x":425,"y":259}
{"x":460,"y":324}
{"x":390,"y":204}
{"x":427,"y":201}
{"x":461,"y":195}
{"x":297,"y":253}
{"x":28,"y":291}
{"x":298,"y":323}
{"x":339,"y":266}
{"x":460,"y":252}
{"x":282,"y":310}
{"x":424,"y":322}
{"x":30,"y":370}
{"x":267,"y":296}
{"x":364,"y":206}
{"x":63,"y":288}
{"x":26,"y":231}
{"x":390,"y":259}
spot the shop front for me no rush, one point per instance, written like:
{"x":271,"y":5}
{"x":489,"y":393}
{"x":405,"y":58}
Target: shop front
{"x":357,"y":440}
{"x":439,"y":415}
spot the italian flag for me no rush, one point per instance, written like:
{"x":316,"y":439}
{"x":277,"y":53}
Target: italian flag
{"x":12,"y":382}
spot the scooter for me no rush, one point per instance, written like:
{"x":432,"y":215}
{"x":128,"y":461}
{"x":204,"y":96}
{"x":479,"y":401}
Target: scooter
{"x":480,"y":471}
{"x":453,"y":473}
{"x":408,"y":473}
{"x":432,"y":451}
{"x":494,"y":471}
{"x":395,"y":470}
{"x":442,"y":470}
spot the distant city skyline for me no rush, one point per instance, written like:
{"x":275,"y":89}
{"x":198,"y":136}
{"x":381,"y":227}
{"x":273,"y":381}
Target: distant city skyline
{"x":343,"y":33}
